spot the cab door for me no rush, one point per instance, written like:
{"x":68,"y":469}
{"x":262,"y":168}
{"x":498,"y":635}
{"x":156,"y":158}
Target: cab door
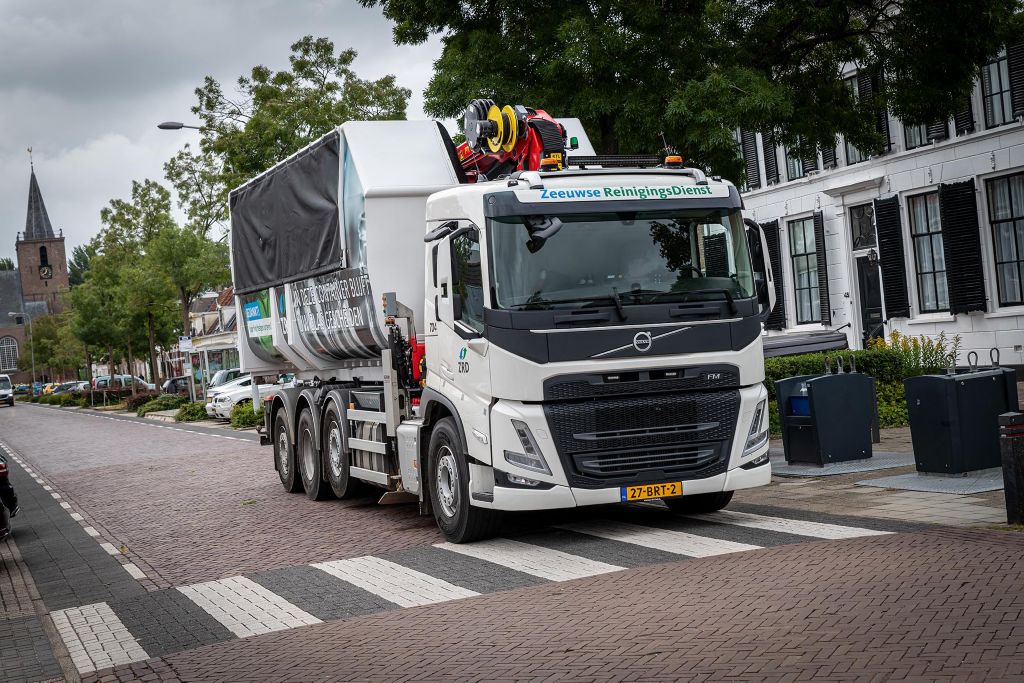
{"x":462,"y":360}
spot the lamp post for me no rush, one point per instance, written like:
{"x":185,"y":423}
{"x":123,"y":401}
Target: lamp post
{"x":31,"y":345}
{"x":176,"y":125}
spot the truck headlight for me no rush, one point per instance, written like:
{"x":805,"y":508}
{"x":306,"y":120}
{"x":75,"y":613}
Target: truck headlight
{"x":530,"y":458}
{"x":758,"y":434}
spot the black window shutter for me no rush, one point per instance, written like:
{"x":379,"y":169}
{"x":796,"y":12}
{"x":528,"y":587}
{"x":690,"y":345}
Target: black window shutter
{"x":891,"y":260}
{"x":937,"y":131}
{"x":810,"y":164}
{"x":961,"y":245}
{"x":748,"y":141}
{"x":828,"y":157}
{"x":777,"y":318}
{"x":869,"y":82}
{"x":819,"y":242}
{"x":771,"y":163}
{"x":963,"y":120}
{"x":1015,"y":67}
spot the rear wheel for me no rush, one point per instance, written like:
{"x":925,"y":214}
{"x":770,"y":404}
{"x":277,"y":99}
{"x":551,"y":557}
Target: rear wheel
{"x":284,"y":454}
{"x":703,"y":502}
{"x":336,"y":458}
{"x":459,"y":521}
{"x":308,"y":456}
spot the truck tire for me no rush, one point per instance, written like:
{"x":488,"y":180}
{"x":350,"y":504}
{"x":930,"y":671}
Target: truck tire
{"x":284,"y":454}
{"x":308,"y":456}
{"x":459,"y":521}
{"x":336,"y":458}
{"x":703,"y":502}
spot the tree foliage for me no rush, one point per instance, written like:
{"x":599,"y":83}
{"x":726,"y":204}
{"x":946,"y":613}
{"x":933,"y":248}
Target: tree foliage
{"x":695,"y":70}
{"x":191,"y":263}
{"x":6,"y":263}
{"x":78,"y":264}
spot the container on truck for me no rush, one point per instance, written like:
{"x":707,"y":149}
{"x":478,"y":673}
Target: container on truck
{"x":512,"y":324}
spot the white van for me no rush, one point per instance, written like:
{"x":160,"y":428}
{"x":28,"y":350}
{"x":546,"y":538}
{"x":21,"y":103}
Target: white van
{"x":6,"y":391}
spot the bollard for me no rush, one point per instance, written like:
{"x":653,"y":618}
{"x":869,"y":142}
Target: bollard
{"x":1011,"y":447}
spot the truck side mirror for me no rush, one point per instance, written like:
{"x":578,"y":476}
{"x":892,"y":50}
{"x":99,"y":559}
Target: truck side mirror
{"x":764,"y":281}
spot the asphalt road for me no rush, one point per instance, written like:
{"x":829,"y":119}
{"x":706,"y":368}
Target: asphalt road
{"x":152,"y":550}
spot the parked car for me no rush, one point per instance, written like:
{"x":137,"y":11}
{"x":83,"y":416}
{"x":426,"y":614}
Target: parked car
{"x":67,"y":387}
{"x":121,"y":382}
{"x":225,"y":376}
{"x":175,"y":385}
{"x":224,"y":402}
{"x":212,"y":394}
{"x":49,"y":387}
{"x":22,"y":388}
{"x":6,"y":391}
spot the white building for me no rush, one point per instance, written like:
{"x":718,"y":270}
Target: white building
{"x":924,"y":238}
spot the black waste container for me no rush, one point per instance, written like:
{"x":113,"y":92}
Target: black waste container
{"x":954,"y":419}
{"x":826,"y":418}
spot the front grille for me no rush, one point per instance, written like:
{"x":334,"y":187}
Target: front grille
{"x":644,"y":439}
{"x":643,"y":382}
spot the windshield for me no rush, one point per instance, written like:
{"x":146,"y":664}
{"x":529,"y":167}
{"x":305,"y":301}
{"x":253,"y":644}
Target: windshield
{"x":5,"y":383}
{"x":696,"y":254}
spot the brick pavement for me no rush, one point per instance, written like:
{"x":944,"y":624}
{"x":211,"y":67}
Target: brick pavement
{"x":936,"y":605}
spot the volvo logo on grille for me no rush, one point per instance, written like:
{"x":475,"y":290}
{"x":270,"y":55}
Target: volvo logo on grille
{"x":642,"y":341}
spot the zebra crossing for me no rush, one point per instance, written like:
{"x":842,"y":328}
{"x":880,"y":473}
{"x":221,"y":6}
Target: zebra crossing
{"x":161,"y":622}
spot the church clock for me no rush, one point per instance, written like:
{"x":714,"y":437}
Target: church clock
{"x":46,"y":272}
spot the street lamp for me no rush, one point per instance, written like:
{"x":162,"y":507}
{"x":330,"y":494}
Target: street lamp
{"x":32,"y":343}
{"x":176,"y":125}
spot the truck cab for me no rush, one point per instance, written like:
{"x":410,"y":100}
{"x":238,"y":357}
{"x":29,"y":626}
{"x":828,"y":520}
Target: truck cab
{"x":594,"y":337}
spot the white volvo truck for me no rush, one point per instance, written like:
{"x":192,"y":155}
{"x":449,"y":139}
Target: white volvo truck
{"x":541,"y":340}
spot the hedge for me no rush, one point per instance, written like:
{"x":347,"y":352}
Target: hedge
{"x":191,"y":412}
{"x":140,"y":399}
{"x":163,"y":402}
{"x":243,"y":416}
{"x":889,"y":362}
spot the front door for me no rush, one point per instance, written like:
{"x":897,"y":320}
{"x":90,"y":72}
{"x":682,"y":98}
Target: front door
{"x":871,"y":316}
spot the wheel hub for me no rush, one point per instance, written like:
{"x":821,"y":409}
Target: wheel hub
{"x":447,"y":482}
{"x":282,"y":452}
{"x":334,"y":450}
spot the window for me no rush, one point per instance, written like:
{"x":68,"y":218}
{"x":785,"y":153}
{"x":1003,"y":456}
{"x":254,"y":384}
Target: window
{"x":804,"y":254}
{"x":43,"y":260}
{"x":468,"y":279}
{"x":1006,"y":212}
{"x":915,"y":136}
{"x":853,"y":155}
{"x":930,"y":259}
{"x":794,"y":166}
{"x":8,"y":354}
{"x":862,"y":226}
{"x":995,"y":91}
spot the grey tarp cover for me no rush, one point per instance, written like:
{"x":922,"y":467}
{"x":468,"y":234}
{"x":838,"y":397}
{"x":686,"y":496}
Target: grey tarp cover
{"x":285,"y":224}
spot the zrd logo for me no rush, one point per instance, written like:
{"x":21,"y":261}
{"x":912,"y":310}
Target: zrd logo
{"x":642,"y":342}
{"x":462,"y":364}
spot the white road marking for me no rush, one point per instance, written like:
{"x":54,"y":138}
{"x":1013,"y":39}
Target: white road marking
{"x":133,"y":569}
{"x":96,"y":638}
{"x":55,"y":495}
{"x":677,"y":542}
{"x":109,"y":547}
{"x":788,"y":526}
{"x":65,"y":505}
{"x":246,"y":608}
{"x":546,"y":563}
{"x":403,"y":586}
{"x":77,"y":517}
{"x":92,"y":532}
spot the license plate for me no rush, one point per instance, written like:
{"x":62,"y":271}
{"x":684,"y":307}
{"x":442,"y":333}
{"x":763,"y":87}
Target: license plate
{"x":648,"y":491}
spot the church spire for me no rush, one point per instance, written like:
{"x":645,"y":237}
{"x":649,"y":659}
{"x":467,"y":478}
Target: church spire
{"x":37,"y":222}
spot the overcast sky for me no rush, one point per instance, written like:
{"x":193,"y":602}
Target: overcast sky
{"x":85,"y":83}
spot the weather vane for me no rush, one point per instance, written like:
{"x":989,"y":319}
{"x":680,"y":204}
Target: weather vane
{"x":30,"y":162}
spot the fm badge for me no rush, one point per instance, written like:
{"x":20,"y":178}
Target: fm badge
{"x":642,"y":342}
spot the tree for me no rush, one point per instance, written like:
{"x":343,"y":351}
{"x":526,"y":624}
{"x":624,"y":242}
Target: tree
{"x":97,"y":312}
{"x":78,"y":264}
{"x":697,"y":70}
{"x":149,"y":298}
{"x":129,"y":224}
{"x":198,"y":179}
{"x":6,"y":263}
{"x":191,"y":262}
{"x":274,"y":114}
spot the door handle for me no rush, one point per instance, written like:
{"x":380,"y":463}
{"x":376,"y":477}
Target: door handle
{"x":447,"y":371}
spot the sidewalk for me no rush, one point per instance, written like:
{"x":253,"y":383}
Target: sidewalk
{"x":839,"y":494}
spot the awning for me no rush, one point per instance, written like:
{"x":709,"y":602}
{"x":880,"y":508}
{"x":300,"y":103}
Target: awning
{"x":803,"y":342}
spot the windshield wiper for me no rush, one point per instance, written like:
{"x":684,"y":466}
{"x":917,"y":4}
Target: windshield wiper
{"x":713,"y":290}
{"x":539,"y":302}
{"x":618,"y":303}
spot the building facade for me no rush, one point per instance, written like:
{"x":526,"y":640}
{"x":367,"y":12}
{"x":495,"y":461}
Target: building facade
{"x":923,"y":238}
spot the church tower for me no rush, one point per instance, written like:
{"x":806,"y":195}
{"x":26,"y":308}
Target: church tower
{"x":42,"y":263}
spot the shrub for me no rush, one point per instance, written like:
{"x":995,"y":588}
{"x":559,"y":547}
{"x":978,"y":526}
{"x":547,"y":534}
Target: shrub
{"x":48,"y":399}
{"x":191,"y":412}
{"x":140,"y":399}
{"x":34,"y":399}
{"x":71,"y":398}
{"x":163,"y":402}
{"x":24,"y":398}
{"x":83,"y":402}
{"x":243,"y":416}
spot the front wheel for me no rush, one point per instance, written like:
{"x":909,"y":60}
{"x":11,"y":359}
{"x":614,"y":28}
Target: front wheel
{"x":459,"y":521}
{"x":284,"y":454}
{"x":703,"y":502}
